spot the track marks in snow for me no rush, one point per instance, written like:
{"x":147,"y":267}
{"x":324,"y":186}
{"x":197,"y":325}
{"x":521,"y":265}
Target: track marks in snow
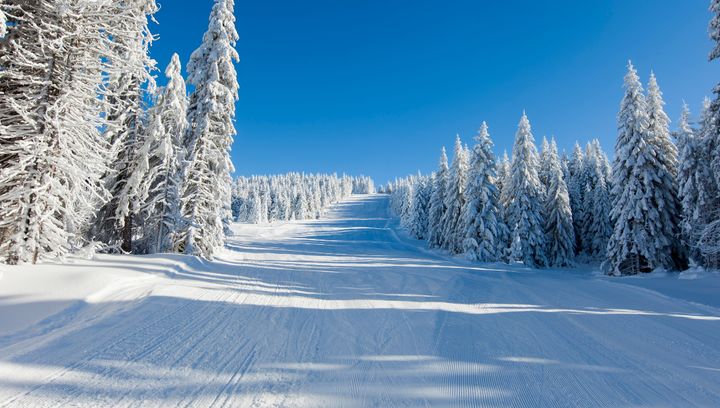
{"x":346,"y":311}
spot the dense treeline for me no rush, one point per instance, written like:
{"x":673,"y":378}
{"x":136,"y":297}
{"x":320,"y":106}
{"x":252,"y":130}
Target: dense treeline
{"x":292,"y":196}
{"x":84,"y":158}
{"x":656,"y":207}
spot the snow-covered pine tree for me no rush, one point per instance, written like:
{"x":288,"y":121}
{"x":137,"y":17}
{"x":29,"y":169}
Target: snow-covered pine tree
{"x":50,"y":148}
{"x":690,"y":182}
{"x":205,"y":198}
{"x":559,"y":230}
{"x":670,"y":210}
{"x":437,"y":203}
{"x":421,"y":207}
{"x":576,"y":189}
{"x":544,"y":168}
{"x":453,"y":233}
{"x":485,"y":233}
{"x":130,"y":80}
{"x":160,"y":167}
{"x":641,"y":186}
{"x":524,"y":210}
{"x":597,"y":227}
{"x":708,"y":242}
{"x":503,"y":177}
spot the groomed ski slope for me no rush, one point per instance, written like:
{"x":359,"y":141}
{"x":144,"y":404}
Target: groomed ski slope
{"x":346,"y":311}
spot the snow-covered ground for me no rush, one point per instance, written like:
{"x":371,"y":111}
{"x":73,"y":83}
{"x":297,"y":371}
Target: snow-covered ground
{"x":347,"y":311}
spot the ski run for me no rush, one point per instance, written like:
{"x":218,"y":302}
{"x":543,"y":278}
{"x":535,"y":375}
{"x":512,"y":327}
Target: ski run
{"x":348,"y":310}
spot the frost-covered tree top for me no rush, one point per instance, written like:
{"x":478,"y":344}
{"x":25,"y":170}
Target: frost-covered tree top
{"x":558,"y":215}
{"x":659,"y":126}
{"x":485,"y":233}
{"x":714,"y":28}
{"x":645,"y":200}
{"x":525,"y":194}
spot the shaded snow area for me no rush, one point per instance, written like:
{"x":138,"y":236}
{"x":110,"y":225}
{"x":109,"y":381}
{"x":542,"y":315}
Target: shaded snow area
{"x":346,"y":311}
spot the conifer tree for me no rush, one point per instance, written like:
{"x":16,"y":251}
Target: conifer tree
{"x":642,"y":189}
{"x":670,"y":209}
{"x":206,"y":194}
{"x":452,"y":228}
{"x":421,"y":207}
{"x":524,"y":210}
{"x":437,"y":203}
{"x":129,"y":84}
{"x":51,"y":153}
{"x":576,"y":189}
{"x":558,"y":215}
{"x":161,"y":157}
{"x":485,"y":232}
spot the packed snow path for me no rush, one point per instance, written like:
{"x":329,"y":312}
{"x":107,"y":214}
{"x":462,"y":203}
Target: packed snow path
{"x":344,"y":311}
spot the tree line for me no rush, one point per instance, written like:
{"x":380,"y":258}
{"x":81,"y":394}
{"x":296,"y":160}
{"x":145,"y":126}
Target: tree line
{"x":292,"y":196}
{"x":657,"y":206}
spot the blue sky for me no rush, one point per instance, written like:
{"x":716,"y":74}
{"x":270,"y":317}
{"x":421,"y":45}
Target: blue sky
{"x":377,"y":87}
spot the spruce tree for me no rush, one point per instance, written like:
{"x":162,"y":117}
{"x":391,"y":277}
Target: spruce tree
{"x":558,"y":215}
{"x":205,"y":198}
{"x":524,"y":210}
{"x":642,"y":189}
{"x":670,"y":209}
{"x":160,"y":171}
{"x":421,"y":207}
{"x":455,"y":200}
{"x":51,"y":152}
{"x":576,"y":189}
{"x":485,"y":232}
{"x":129,"y":84}
{"x":437,"y":203}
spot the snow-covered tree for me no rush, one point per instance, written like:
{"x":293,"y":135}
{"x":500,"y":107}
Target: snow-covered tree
{"x":129,"y":82}
{"x":596,"y":227}
{"x":437,"y":203}
{"x":160,"y":167}
{"x":524,"y":208}
{"x":708,"y":243}
{"x":544,"y":168}
{"x":576,"y":183}
{"x":503,"y":178}
{"x":51,"y":153}
{"x":670,"y":209}
{"x":206,"y":194}
{"x":485,"y":233}
{"x":559,"y":230}
{"x":642,"y":189}
{"x":421,"y":207}
{"x":452,"y":227}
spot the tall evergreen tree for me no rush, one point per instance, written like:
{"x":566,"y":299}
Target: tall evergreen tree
{"x":485,"y":232}
{"x":670,"y":209}
{"x":455,"y":200}
{"x":576,"y":189}
{"x":558,"y":215}
{"x":160,"y":171}
{"x":437,"y":203}
{"x":709,"y":241}
{"x":690,"y":183}
{"x":128,"y":87}
{"x":524,"y":211}
{"x":51,"y":153}
{"x":642,"y":189}
{"x":421,"y":207}
{"x":205,"y":198}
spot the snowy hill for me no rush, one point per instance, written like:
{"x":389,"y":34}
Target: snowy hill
{"x":347,"y":311}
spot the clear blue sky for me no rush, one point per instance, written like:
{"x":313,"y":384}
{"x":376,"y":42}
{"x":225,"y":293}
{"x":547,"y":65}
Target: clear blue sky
{"x":378,"y":86}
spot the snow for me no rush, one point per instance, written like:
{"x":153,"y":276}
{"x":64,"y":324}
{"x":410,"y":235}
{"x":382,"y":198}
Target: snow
{"x":349,"y":311}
